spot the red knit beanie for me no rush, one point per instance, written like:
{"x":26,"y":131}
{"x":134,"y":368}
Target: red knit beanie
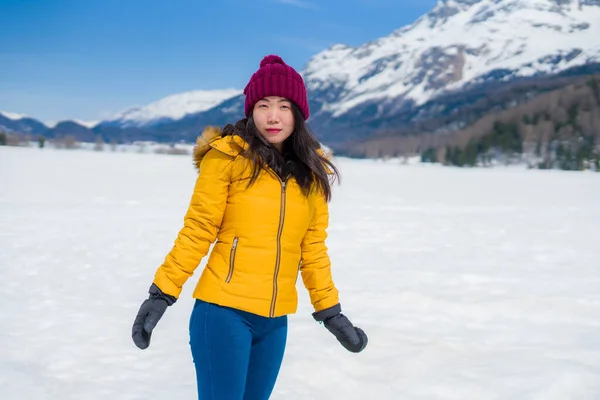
{"x":276,"y":78}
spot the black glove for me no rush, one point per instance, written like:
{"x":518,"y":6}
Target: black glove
{"x":151,"y":311}
{"x":352,"y":338}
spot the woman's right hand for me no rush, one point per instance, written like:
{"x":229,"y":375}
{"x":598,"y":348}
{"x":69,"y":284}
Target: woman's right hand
{"x":150,"y":312}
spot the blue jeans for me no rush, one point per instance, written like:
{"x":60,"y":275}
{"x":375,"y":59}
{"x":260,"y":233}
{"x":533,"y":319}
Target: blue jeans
{"x":237,"y":354}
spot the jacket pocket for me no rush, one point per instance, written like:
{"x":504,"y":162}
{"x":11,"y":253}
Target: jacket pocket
{"x":232,"y":259}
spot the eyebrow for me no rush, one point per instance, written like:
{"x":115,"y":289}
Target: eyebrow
{"x":281,"y":100}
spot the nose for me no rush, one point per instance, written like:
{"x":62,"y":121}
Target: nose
{"x":273,"y":116}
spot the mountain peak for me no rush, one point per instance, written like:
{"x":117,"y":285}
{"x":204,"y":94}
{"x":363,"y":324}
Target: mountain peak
{"x":13,"y":116}
{"x":448,"y":8}
{"x":458,"y":43}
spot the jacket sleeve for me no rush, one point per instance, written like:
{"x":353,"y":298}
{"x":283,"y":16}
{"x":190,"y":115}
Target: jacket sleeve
{"x":316,"y":265}
{"x":201,"y":223}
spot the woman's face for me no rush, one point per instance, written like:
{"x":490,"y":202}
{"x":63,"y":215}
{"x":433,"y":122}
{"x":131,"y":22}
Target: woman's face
{"x":274,"y":119}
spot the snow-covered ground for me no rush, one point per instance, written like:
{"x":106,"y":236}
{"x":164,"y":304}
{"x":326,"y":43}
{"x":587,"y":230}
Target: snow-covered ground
{"x":471,"y":283}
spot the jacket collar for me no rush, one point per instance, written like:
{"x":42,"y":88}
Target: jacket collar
{"x":231,"y":145}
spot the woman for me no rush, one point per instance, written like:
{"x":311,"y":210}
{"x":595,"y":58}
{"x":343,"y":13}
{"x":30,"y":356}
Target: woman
{"x":261,"y":193}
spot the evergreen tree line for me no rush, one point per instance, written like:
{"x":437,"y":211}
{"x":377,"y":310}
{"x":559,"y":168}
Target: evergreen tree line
{"x":505,"y":143}
{"x":503,"y":140}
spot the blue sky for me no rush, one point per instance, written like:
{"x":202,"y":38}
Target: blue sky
{"x":89,"y":59}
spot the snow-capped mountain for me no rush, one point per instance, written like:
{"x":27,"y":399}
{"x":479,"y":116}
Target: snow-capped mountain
{"x":458,"y":43}
{"x":87,"y":124}
{"x":173,"y":107}
{"x":13,"y":122}
{"x":13,"y":116}
{"x":49,"y":124}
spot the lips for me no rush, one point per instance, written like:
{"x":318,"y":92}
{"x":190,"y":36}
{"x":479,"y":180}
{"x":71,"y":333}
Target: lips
{"x":273,"y":130}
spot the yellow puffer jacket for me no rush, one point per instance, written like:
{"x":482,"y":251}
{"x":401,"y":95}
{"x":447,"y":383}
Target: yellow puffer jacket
{"x":265,"y":235}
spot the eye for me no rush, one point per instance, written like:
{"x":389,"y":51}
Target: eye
{"x":262,"y":105}
{"x":285,"y":106}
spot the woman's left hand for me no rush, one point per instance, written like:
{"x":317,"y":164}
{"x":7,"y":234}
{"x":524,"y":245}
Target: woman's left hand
{"x":352,"y":338}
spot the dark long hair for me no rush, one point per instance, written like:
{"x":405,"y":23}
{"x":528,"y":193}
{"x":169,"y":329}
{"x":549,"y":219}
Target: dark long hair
{"x":299,"y":156}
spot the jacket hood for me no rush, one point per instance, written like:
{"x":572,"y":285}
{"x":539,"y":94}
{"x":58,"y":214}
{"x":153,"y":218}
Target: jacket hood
{"x":203,"y":141}
{"x":213,"y":137}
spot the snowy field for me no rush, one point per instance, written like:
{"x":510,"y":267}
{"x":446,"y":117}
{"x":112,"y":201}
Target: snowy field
{"x":471,"y":283}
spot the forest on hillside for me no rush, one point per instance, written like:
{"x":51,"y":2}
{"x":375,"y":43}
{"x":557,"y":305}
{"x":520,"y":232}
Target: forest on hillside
{"x":555,"y":129}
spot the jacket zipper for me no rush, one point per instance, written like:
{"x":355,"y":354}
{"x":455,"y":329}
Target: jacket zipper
{"x":279,"y":231}
{"x":232,"y":259}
